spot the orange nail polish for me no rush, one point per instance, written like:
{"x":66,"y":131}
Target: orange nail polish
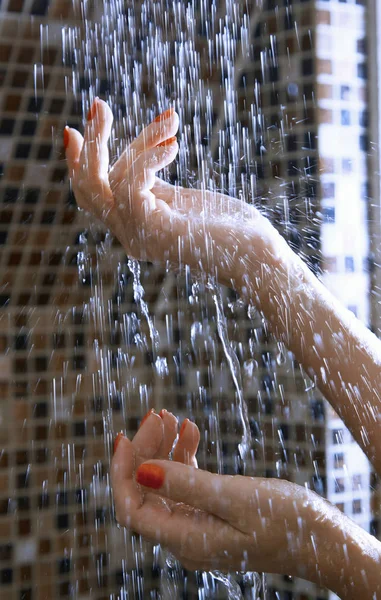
{"x":165,"y":115}
{"x":167,"y":142}
{"x":66,"y":137}
{"x":150,"y":412}
{"x":150,"y":476}
{"x":162,"y":412}
{"x":92,"y":111}
{"x":182,"y":428}
{"x":117,"y":440}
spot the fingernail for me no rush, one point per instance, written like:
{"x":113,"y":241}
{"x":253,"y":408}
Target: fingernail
{"x":151,"y":476}
{"x":66,"y":137}
{"x":167,"y":142}
{"x":117,"y":440}
{"x":92,"y":110}
{"x":150,"y":412}
{"x":162,"y":412}
{"x":165,"y":115}
{"x":183,"y":426}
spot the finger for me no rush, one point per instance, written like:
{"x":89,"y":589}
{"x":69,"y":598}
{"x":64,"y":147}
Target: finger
{"x":181,"y":483}
{"x":73,"y":142}
{"x":187,"y":444}
{"x":170,"y":432}
{"x":148,"y":439}
{"x":154,"y":134}
{"x":127,"y":496}
{"x":90,"y":184}
{"x":95,"y":156}
{"x":143,"y":170}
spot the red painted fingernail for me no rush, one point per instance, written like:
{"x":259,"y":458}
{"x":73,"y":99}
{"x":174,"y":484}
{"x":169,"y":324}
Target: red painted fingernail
{"x":151,"y":476}
{"x":66,"y":137}
{"x":182,"y":428}
{"x":167,"y":142}
{"x":150,"y":412}
{"x":117,"y":440}
{"x":165,"y":115}
{"x":162,"y":412}
{"x":92,"y":110}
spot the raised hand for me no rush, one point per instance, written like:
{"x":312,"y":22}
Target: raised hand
{"x":152,"y":219}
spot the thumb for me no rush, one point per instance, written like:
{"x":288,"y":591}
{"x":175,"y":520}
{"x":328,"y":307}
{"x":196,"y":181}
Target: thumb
{"x":182,"y":483}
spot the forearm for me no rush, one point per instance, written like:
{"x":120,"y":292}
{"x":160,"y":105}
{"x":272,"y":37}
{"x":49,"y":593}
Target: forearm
{"x":331,"y":344}
{"x":340,"y":555}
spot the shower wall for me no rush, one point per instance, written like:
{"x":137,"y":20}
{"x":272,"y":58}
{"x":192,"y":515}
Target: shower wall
{"x":76,"y":357}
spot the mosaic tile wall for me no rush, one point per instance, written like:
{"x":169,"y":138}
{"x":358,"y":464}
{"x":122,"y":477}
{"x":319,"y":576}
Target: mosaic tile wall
{"x":68,"y":315}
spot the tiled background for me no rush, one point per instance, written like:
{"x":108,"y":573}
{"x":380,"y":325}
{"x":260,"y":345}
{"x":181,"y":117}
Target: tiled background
{"x":76,"y":358}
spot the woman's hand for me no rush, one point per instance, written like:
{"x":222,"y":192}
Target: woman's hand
{"x":224,"y":522}
{"x":152,"y":219}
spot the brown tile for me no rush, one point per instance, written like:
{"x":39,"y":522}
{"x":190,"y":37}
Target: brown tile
{"x":5,"y":52}
{"x":40,"y":341}
{"x":323,"y":17}
{"x":3,"y":343}
{"x":25,"y":55}
{"x":15,"y":173}
{"x":6,"y":528}
{"x":21,"y":319}
{"x":24,"y":527}
{"x":32,"y":30}
{"x":41,"y":238}
{"x":46,"y":128}
{"x":64,"y":542}
{"x":4,"y":482}
{"x":26,"y":572}
{"x":15,"y":5}
{"x":45,"y":569}
{"x":12,"y":103}
{"x":60,"y":9}
{"x":324,"y":66}
{"x":60,"y":431}
{"x":21,"y":410}
{"x":44,"y":546}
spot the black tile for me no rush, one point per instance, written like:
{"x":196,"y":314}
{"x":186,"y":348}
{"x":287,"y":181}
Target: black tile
{"x":43,"y":501}
{"x":39,"y":7}
{"x":79,"y":429}
{"x":56,"y":106}
{"x":64,"y":566}
{"x":23,"y":480}
{"x":41,"y":456}
{"x":48,"y":217}
{"x":23,"y":503}
{"x":28,"y":127}
{"x":7,"y":126}
{"x":41,"y":363}
{"x":44,"y":152}
{"x":6,"y":576}
{"x":26,"y":594}
{"x":31,"y":196}
{"x":35,"y":104}
{"x":22,"y":150}
{"x":6,"y":551}
{"x":41,"y":410}
{"x":62,"y":521}
{"x":3,"y":237}
{"x":62,"y":498}
{"x":21,"y":342}
{"x":11,"y":194}
{"x":4,"y":299}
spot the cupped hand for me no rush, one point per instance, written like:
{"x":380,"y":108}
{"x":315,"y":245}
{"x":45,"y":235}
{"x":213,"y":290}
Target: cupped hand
{"x":152,"y":219}
{"x":207,"y":521}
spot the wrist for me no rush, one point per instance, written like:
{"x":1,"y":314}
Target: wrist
{"x":341,"y":555}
